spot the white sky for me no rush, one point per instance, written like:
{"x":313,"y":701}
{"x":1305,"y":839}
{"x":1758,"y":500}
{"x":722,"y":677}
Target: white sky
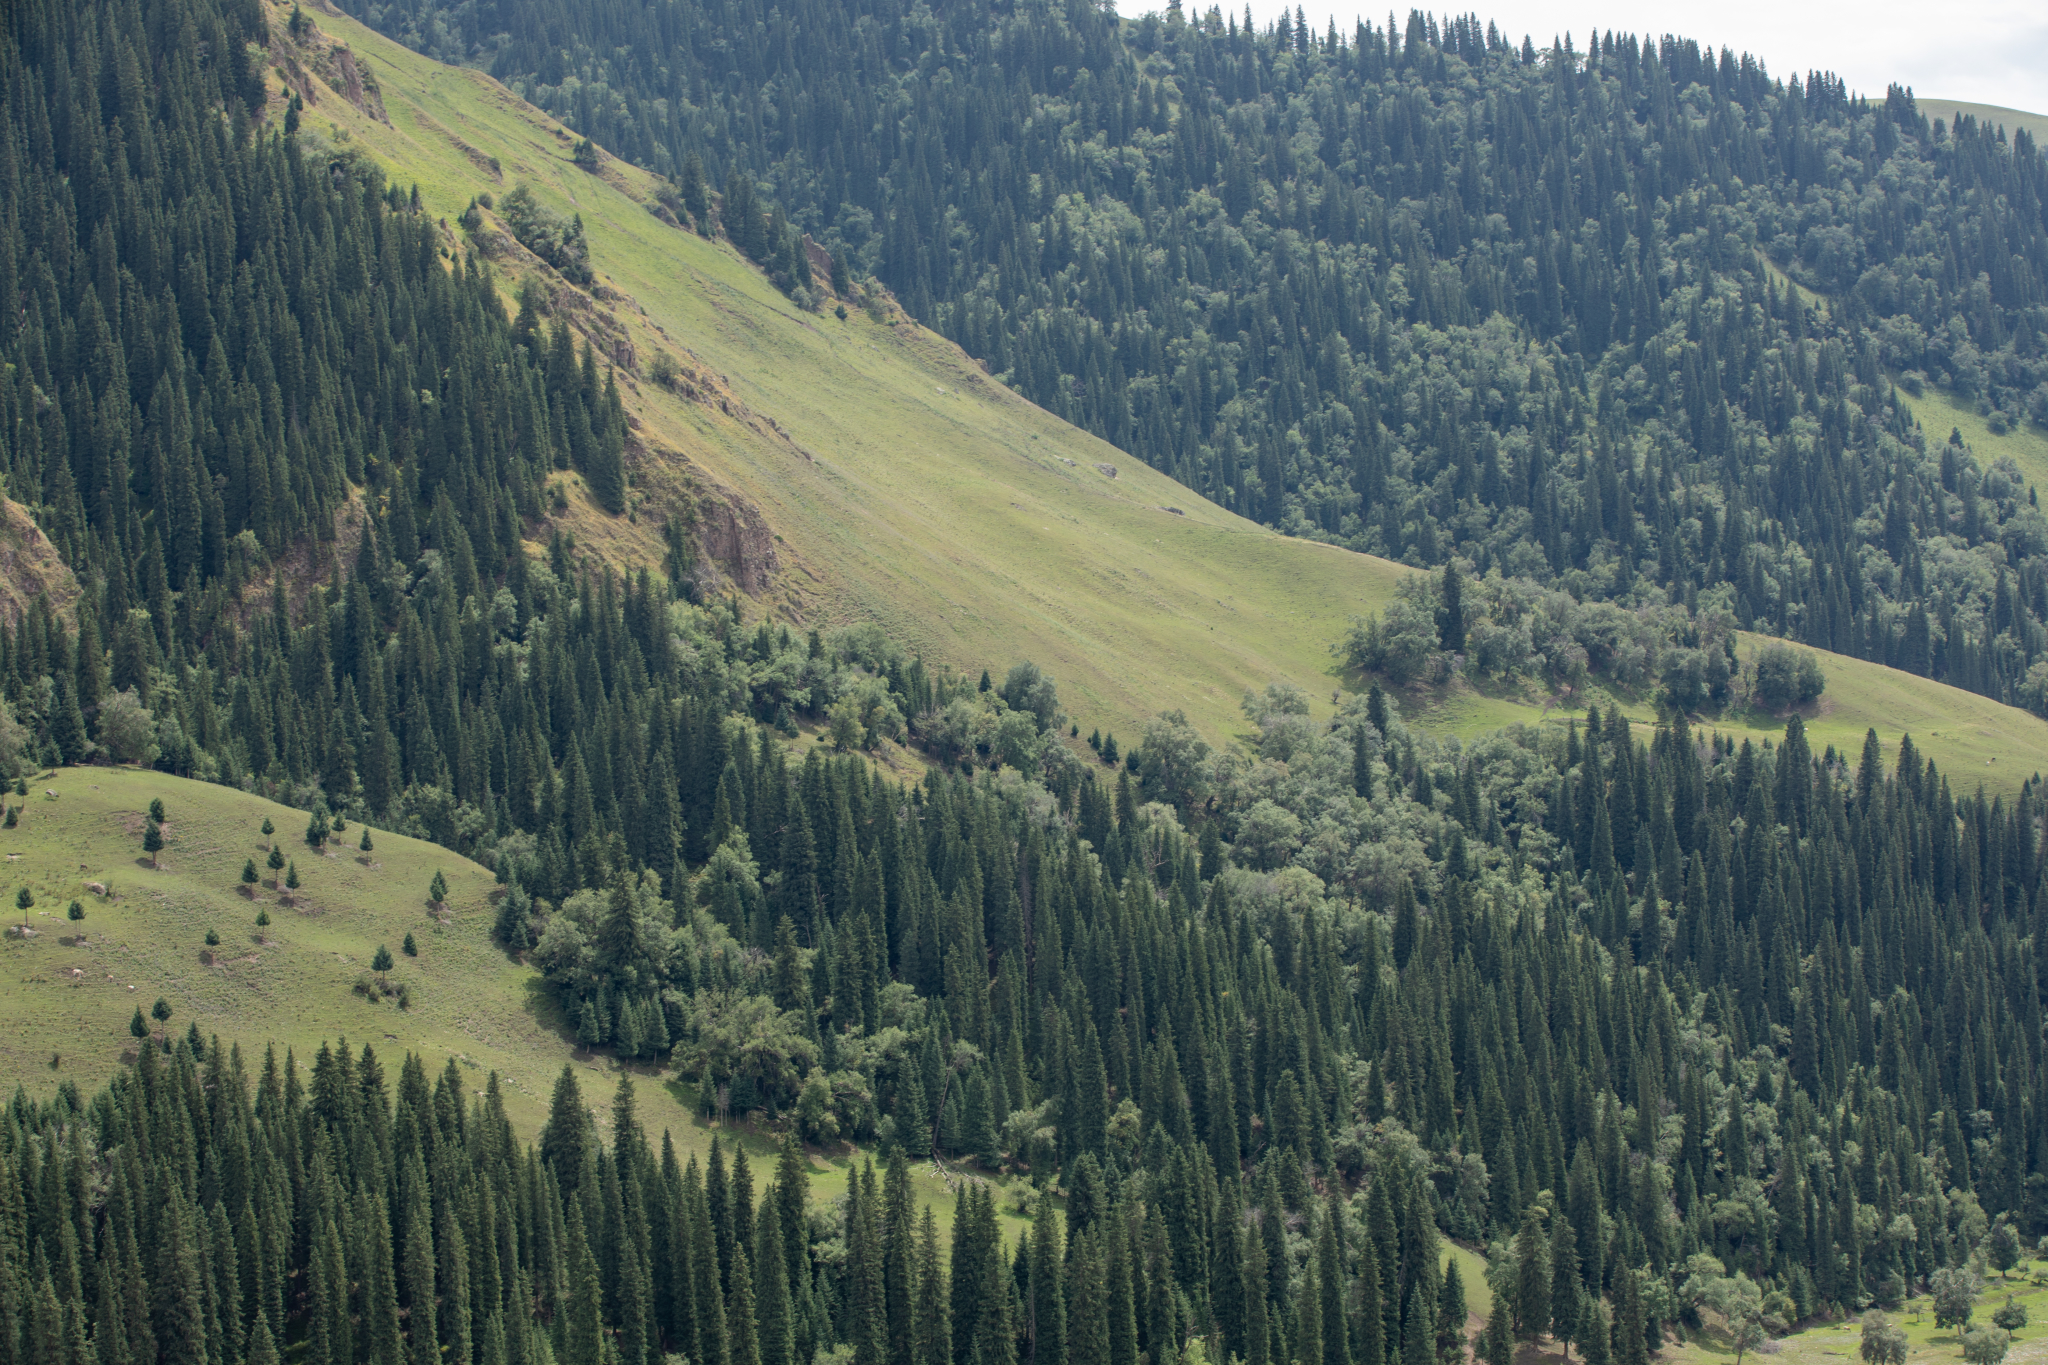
{"x":1986,"y":52}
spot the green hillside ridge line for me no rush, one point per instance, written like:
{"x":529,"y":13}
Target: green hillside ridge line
{"x":1995,"y":115}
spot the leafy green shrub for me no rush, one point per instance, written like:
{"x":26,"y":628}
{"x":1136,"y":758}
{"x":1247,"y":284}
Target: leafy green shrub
{"x":557,"y":240}
{"x":1787,"y":677}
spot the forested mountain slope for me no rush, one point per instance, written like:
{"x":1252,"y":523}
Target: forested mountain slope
{"x":889,"y":482}
{"x":1686,"y":1032}
{"x":1420,"y":292}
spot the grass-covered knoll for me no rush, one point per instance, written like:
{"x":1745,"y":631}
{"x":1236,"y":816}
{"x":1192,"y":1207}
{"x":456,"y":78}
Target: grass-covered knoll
{"x":73,"y":986}
{"x":1990,"y":115}
{"x":1971,"y":738}
{"x":899,"y":484}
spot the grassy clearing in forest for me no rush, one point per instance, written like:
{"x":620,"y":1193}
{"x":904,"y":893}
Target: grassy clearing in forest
{"x":1838,"y":1343}
{"x":72,"y":987}
{"x":1940,"y":412}
{"x":1972,"y":739}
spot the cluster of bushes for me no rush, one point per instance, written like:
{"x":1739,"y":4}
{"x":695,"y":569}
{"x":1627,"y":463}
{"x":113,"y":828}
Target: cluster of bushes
{"x":1500,"y":629}
{"x":557,"y":240}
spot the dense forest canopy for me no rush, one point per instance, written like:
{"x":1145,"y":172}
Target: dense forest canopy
{"x":1666,"y":1026}
{"x":1425,"y":293}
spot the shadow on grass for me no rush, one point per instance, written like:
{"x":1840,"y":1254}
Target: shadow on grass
{"x":547,"y":1011}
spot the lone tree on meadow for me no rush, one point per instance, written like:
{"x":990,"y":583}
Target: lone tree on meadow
{"x":1986,"y":1345}
{"x":275,"y":862}
{"x":249,"y":877}
{"x":364,"y":843}
{"x":381,"y":962}
{"x":153,"y":838}
{"x":291,"y":876}
{"x":437,"y":890}
{"x":2002,"y":1248}
{"x":1955,"y":1296}
{"x":268,"y":828}
{"x":1883,"y":1342}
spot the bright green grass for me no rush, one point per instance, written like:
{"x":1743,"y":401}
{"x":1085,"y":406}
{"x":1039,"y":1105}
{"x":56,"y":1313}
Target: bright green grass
{"x":291,"y":983}
{"x":1827,"y":1343}
{"x":912,"y":490}
{"x":2026,"y":444}
{"x":1971,"y":738}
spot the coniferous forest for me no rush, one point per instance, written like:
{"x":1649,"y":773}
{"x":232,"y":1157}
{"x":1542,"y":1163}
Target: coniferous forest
{"x":1665,"y":1029}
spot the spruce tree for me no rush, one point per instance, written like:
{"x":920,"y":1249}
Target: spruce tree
{"x":745,"y":1347}
{"x":931,"y":1317}
{"x":583,"y":1339}
{"x":1532,"y":1294}
{"x":770,"y":1274}
{"x":1046,"y":1308}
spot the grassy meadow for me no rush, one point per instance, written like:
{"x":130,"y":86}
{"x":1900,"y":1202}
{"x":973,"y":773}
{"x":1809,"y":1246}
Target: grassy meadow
{"x":73,"y":986}
{"x":2026,"y":445}
{"x":1971,"y":738}
{"x":1837,"y":1343}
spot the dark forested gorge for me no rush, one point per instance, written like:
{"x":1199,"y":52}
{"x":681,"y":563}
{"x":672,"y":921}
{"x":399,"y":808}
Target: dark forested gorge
{"x":1424,"y":293}
{"x":1673,"y":1032}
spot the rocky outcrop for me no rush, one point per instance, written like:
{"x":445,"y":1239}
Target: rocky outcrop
{"x":29,"y":566}
{"x":732,"y":534}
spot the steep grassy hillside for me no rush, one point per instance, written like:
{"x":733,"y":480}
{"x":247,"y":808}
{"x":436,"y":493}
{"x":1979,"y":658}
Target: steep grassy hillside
{"x":897,"y":482}
{"x":1971,"y":738}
